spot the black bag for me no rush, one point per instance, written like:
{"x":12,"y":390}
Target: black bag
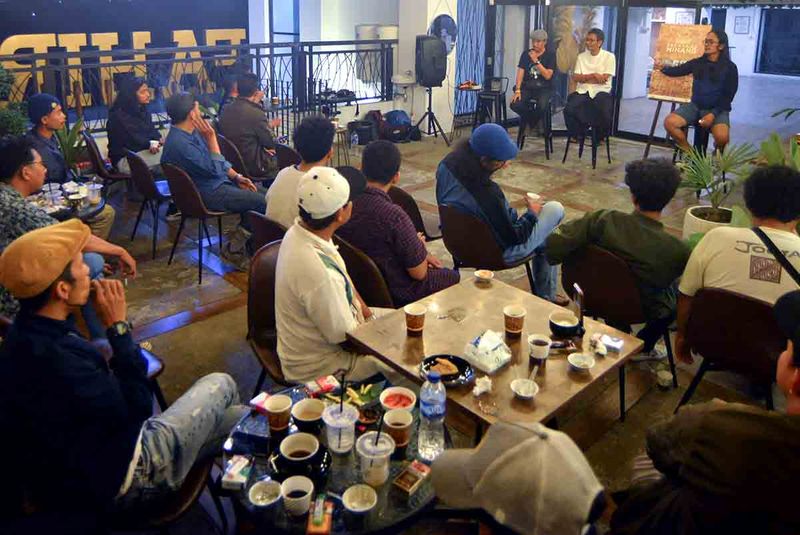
{"x":397,"y":133}
{"x":414,"y":134}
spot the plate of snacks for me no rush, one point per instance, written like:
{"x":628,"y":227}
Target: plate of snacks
{"x":453,"y":370}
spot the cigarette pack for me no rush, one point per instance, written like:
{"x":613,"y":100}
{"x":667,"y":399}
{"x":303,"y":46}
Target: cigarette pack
{"x":412,"y":476}
{"x":258,"y":403}
{"x":321,"y":516}
{"x":323,"y":385}
{"x":236,"y":472}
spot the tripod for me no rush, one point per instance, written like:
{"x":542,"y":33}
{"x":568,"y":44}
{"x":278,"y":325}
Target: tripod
{"x":433,"y":123}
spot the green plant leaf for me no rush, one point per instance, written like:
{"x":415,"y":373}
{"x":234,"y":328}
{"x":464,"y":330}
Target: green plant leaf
{"x":740,"y":217}
{"x":694,"y":239}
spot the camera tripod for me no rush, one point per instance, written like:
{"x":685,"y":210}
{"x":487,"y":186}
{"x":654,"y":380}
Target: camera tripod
{"x":434,"y":128}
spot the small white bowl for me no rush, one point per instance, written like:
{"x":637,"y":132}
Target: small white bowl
{"x":359,"y":499}
{"x":264,"y":493}
{"x":581,"y":362}
{"x":398,"y":390}
{"x":524,"y":388}
{"x":484,"y":276}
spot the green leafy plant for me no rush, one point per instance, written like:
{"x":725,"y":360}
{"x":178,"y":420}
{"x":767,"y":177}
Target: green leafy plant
{"x":786,"y":112}
{"x":71,"y":143}
{"x":716,"y":174}
{"x":13,"y":119}
{"x":774,"y":152}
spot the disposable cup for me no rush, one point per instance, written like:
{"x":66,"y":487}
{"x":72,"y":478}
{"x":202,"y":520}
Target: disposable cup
{"x":278,"y":409}
{"x":375,"y":457}
{"x":397,"y":422}
{"x":514,"y":317}
{"x":296,"y":492}
{"x":415,"y":318}
{"x":340,"y":427}
{"x":539,"y":345}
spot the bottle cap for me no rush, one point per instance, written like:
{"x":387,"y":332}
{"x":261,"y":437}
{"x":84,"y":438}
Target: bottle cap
{"x":434,"y":376}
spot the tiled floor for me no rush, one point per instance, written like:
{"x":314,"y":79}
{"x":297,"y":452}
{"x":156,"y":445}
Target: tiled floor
{"x":200,"y":329}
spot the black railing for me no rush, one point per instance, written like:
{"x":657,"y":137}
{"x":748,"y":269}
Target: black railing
{"x":298,"y":78}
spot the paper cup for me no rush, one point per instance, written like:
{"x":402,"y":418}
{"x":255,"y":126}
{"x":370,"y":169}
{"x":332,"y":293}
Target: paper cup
{"x":278,"y":411}
{"x":514,"y":316}
{"x":415,"y":318}
{"x":397,"y":422}
{"x":296,"y":492}
{"x":539,"y":346}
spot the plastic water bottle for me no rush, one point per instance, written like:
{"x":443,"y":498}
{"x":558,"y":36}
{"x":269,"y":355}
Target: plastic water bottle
{"x":354,"y":139}
{"x":432,"y":398}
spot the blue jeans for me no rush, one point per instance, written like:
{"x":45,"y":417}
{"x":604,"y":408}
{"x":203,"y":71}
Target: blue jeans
{"x":191,"y":429}
{"x":231,"y":198}
{"x":96,"y":263}
{"x":545,"y":276}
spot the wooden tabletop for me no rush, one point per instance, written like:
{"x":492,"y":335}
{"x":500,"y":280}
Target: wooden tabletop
{"x":482,"y":307}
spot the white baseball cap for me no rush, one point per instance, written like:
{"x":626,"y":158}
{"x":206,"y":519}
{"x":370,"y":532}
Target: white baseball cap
{"x":324,"y":190}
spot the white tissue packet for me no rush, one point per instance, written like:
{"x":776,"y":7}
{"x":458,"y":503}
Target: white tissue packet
{"x":488,"y":352}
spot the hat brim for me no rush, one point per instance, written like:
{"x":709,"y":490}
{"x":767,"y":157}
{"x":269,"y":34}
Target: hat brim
{"x":449,"y":479}
{"x":356,"y":179}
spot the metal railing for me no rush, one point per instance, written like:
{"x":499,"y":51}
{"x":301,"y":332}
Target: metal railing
{"x":298,"y":78}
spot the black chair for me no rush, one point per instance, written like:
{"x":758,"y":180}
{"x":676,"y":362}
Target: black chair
{"x":592,"y":134}
{"x":546,"y":121}
{"x":154,"y":193}
{"x":428,"y":224}
{"x":286,"y":156}
{"x":264,"y":230}
{"x":109,"y":177}
{"x":231,"y":153}
{"x":491,"y":103}
{"x":366,"y":276}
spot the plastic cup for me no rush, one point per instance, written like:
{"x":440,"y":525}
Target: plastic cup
{"x":514,"y":317}
{"x":539,"y":345}
{"x":397,"y":422}
{"x":415,"y":318}
{"x":278,"y":409}
{"x":340,"y":427}
{"x":375,"y":457}
{"x":95,"y":191}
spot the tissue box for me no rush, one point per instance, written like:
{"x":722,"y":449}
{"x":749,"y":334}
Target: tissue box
{"x":488,"y":352}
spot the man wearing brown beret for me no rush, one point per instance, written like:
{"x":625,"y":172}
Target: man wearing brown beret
{"x":84,"y":435}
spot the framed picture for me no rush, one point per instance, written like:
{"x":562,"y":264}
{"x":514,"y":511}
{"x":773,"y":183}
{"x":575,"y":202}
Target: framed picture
{"x":741,"y":25}
{"x":684,"y":17}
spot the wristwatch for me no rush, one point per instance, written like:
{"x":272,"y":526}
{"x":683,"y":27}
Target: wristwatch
{"x":120,"y":328}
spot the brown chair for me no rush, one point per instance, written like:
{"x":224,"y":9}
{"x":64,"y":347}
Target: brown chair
{"x":286,"y":156}
{"x":99,"y":164}
{"x":231,"y":153}
{"x":618,"y":303}
{"x":262,"y":332}
{"x":471,"y":243}
{"x":153,"y":192}
{"x":190,"y":203}
{"x":366,"y":276}
{"x":163,"y":513}
{"x":264,"y":229}
{"x":734,"y":332}
{"x":428,"y":224}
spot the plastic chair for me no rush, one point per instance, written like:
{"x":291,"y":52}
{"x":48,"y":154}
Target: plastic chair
{"x":262,"y":334}
{"x":619,"y":303}
{"x":471,"y":243}
{"x":286,"y":156}
{"x":99,"y":163}
{"x":547,"y":124}
{"x":154,"y":193}
{"x":366,"y":276}
{"x":736,"y":333}
{"x":191,"y":205}
{"x":264,"y":229}
{"x":231,"y":153}
{"x":428,"y":226}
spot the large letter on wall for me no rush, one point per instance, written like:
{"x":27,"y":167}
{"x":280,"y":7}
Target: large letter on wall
{"x":185,"y":38}
{"x":234,"y":35}
{"x":73,"y":43}
{"x":39,"y":43}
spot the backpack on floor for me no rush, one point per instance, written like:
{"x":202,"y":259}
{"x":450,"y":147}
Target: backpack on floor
{"x":397,"y":118}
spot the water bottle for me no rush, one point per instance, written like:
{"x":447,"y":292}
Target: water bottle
{"x":354,"y":139}
{"x":432,"y":398}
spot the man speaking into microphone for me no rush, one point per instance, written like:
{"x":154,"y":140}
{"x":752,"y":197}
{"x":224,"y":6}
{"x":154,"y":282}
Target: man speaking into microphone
{"x":534,"y":80}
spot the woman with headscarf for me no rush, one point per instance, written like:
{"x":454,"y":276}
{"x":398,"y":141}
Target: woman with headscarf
{"x":130,"y":127}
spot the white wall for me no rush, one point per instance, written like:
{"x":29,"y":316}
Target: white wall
{"x":258,"y":21}
{"x":743,"y":46}
{"x":311,"y":20}
{"x":637,"y":46}
{"x":340,"y":17}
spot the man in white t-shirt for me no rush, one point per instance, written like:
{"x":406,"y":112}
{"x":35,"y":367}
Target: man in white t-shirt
{"x":592,"y":104}
{"x":313,"y":139}
{"x":736,"y":259}
{"x":316,"y":302}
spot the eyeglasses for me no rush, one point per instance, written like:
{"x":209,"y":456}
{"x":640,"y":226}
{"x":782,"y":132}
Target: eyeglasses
{"x":39,"y":162}
{"x":710,"y":42}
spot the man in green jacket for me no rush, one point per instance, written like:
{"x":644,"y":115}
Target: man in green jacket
{"x":655,"y":257}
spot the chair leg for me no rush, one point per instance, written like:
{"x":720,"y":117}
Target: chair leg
{"x":530,"y":277}
{"x":581,"y":142}
{"x":219,"y":233}
{"x":566,"y":149}
{"x":671,"y":358}
{"x":200,"y":225}
{"x":594,"y":148}
{"x":622,"y":393}
{"x":608,"y":148}
{"x":547,"y":141}
{"x":693,"y":385}
{"x":156,"y":208}
{"x":177,"y":237}
{"x":521,"y":133}
{"x":158,"y":394}
{"x":138,"y":218}
{"x":260,"y":381}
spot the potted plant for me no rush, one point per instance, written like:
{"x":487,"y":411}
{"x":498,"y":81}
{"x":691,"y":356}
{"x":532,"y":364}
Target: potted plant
{"x":13,"y":116}
{"x":714,"y":175}
{"x":71,"y":141}
{"x":774,"y":152}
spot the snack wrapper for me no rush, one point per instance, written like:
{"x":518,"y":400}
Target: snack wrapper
{"x":237,"y":471}
{"x":488,"y":352}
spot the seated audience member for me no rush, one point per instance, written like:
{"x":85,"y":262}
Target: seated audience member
{"x":736,"y":259}
{"x":46,"y":115}
{"x":463,"y":181}
{"x":22,"y":172}
{"x":718,"y":468}
{"x":313,"y":139}
{"x":130,"y":127}
{"x":230,"y":91}
{"x":592,"y":104}
{"x":192,"y":145}
{"x":246,"y":126}
{"x":715,"y":82}
{"x":385,"y":233}
{"x":316,"y":303}
{"x":90,"y":441}
{"x":655,"y":257}
{"x":530,"y":478}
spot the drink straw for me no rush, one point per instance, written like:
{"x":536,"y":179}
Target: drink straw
{"x":341,"y":403}
{"x":380,"y":427}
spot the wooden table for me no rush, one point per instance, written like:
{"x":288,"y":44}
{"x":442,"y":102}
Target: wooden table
{"x":386,"y":338}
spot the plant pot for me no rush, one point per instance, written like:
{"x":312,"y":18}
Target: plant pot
{"x":704,"y":218}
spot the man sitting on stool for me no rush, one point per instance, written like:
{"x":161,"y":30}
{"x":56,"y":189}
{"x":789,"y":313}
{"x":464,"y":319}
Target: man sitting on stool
{"x":534,"y":80}
{"x":591,"y":104}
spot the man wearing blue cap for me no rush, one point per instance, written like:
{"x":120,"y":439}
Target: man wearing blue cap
{"x":463,"y":181}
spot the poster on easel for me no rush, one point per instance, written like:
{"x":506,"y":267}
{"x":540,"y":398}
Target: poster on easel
{"x":677,"y":44}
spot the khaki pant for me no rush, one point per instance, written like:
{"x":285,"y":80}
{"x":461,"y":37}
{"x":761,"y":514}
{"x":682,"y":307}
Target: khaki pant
{"x":102,"y":222}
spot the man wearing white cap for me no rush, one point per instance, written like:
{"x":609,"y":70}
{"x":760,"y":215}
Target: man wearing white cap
{"x":530,"y":478}
{"x":316,"y":302}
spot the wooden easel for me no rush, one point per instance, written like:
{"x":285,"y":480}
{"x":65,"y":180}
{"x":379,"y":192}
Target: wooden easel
{"x":650,"y":136}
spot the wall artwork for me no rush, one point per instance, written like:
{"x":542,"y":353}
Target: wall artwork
{"x":741,"y":25}
{"x":677,"y":44}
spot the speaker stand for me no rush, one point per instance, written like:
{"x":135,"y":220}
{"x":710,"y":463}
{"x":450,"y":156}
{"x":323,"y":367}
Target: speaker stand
{"x":434,"y":128}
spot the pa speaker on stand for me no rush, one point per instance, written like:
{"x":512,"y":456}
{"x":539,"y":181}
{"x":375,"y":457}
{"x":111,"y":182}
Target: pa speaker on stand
{"x":431,"y":67}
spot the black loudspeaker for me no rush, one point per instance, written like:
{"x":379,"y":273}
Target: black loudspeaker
{"x":431,"y":61}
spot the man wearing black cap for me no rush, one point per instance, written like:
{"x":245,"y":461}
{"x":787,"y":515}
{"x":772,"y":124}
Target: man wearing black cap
{"x":534,"y":79}
{"x":724,"y":468}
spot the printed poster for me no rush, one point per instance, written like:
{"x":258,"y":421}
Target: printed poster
{"x":677,"y":44}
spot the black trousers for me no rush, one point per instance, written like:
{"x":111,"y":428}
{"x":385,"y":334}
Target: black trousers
{"x":582,"y":111}
{"x":532,"y":114}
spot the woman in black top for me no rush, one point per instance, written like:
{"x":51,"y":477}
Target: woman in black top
{"x":716,"y":80}
{"x":130,"y":127}
{"x":534,"y":79}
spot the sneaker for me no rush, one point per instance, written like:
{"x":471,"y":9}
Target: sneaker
{"x":173,"y":214}
{"x":654,"y":354}
{"x":561,"y":300}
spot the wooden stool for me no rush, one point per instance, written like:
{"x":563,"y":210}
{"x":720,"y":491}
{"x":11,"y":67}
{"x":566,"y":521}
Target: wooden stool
{"x":342,"y":147}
